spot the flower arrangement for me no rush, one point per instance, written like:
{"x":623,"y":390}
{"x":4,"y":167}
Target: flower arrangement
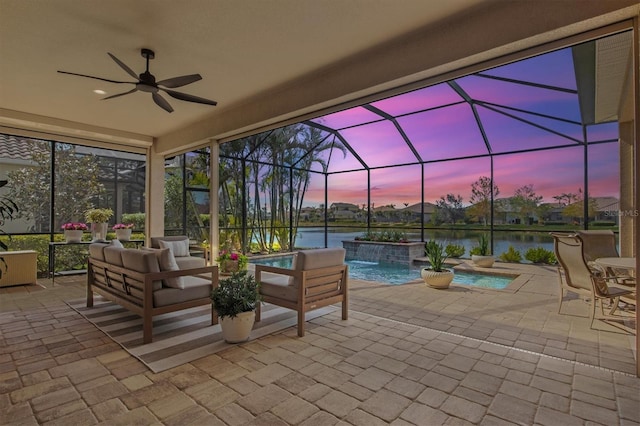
{"x":98,"y":215}
{"x":75,"y":226}
{"x":226,"y":255}
{"x":123,"y":226}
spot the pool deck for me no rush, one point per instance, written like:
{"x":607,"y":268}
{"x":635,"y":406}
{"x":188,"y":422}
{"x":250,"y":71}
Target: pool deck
{"x":408,"y":355}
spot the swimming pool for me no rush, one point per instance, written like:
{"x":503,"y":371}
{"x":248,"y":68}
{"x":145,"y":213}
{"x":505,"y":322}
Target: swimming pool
{"x":391,"y":273}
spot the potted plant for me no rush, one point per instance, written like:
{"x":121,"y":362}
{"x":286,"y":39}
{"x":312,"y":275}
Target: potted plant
{"x":230,"y":262}
{"x":73,"y":231}
{"x":235,"y":300}
{"x":436,"y":275}
{"x":98,"y":219}
{"x":123,"y":231}
{"x":481,"y":255}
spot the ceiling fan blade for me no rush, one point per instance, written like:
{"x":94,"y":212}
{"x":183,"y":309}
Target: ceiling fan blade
{"x":97,"y":78}
{"x":189,"y":98}
{"x":120,"y":94}
{"x":180,"y":81}
{"x":124,"y":66}
{"x":161,"y":102}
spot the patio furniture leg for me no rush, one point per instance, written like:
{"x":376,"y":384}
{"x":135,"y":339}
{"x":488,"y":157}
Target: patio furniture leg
{"x":614,"y":305}
{"x":258,"y":312}
{"x":301,"y":318}
{"x":561,"y":296}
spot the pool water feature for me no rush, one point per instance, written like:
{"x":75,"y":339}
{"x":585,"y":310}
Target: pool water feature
{"x":391,"y":273}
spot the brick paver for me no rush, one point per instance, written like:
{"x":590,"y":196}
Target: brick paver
{"x":445,"y":358}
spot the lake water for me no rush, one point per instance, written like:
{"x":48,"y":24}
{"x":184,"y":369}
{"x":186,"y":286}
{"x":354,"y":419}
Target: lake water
{"x":522,"y":241}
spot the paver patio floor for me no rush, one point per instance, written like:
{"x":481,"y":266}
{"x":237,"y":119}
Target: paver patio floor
{"x":407,"y":355}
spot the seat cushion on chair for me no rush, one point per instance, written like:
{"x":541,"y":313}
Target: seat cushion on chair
{"x":276,"y":285}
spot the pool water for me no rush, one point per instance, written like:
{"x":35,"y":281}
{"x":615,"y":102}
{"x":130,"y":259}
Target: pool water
{"x":390,"y":273}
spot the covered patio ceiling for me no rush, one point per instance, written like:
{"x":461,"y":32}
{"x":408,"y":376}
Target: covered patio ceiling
{"x":561,"y":99}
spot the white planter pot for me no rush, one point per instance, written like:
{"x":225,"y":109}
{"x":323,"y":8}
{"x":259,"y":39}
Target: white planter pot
{"x":437,"y":279}
{"x":237,"y":329}
{"x":483,"y":261}
{"x":123,"y":234}
{"x":73,"y":235}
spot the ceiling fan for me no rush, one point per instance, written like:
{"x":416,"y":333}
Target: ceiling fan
{"x":146,"y":82}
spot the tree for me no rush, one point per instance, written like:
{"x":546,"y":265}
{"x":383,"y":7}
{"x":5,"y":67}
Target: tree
{"x":482,"y":192}
{"x":565,"y":199}
{"x":77,"y":186}
{"x":525,"y":201}
{"x":451,"y":208}
{"x":275,"y":174}
{"x":575,"y":210}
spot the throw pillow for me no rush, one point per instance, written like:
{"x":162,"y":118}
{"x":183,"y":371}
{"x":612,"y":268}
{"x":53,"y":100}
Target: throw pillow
{"x":116,"y":243}
{"x":167,"y":262}
{"x":179,"y":248}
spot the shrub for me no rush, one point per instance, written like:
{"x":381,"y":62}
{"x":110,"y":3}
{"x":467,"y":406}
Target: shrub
{"x":540,"y":255}
{"x":236,"y":294}
{"x":605,"y":223}
{"x":136,"y":218}
{"x":511,"y":255}
{"x":383,"y":236}
{"x":482,"y":249}
{"x":435,"y":254}
{"x":454,"y":250}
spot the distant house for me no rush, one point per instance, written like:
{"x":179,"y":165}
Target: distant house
{"x":553,"y":212}
{"x":414,"y":211}
{"x":344,"y":211}
{"x":606,"y":209}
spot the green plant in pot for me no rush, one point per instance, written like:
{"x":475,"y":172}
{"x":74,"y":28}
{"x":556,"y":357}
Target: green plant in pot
{"x":436,"y":275}
{"x":98,"y":219}
{"x":481,"y":254}
{"x":235,"y":300}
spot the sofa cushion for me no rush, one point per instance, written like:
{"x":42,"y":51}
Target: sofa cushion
{"x":194,"y":288}
{"x":113,"y":255}
{"x":319,"y":258}
{"x":190,"y":262}
{"x":167,"y":262}
{"x":96,"y":251}
{"x":179,"y":248}
{"x":141,"y":261}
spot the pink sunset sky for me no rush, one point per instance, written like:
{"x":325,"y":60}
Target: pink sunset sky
{"x":441,"y":125}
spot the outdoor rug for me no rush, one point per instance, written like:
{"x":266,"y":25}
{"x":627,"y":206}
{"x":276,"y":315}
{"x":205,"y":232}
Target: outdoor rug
{"x":178,"y":337}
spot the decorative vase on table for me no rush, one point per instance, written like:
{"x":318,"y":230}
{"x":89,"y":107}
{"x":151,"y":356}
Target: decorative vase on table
{"x":99,"y":232}
{"x":73,"y":235}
